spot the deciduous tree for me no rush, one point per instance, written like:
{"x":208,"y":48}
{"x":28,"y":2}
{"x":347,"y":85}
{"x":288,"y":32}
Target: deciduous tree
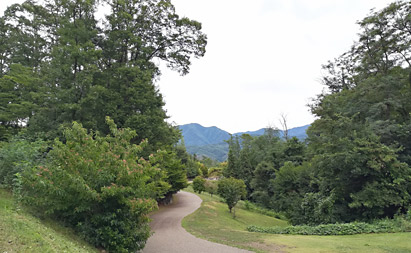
{"x":231,"y":190}
{"x":199,"y":184}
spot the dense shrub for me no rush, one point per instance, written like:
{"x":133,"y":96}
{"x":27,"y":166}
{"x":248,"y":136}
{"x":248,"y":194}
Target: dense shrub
{"x":18,"y":155}
{"x":399,"y":224}
{"x":192,"y":168}
{"x":199,"y":184}
{"x":215,"y":172}
{"x":203,"y":170}
{"x":99,"y":186}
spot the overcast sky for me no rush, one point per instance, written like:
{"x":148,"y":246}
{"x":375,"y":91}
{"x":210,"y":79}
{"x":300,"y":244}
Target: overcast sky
{"x":263,"y":59}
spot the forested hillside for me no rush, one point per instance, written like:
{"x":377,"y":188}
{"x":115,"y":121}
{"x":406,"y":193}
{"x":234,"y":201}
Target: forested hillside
{"x":356,"y":166}
{"x":212,"y":141}
{"x":84,"y":136}
{"x":197,"y":135}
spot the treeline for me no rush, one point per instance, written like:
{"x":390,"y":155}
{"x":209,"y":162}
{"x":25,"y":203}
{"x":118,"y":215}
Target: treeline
{"x":83,"y":132}
{"x":198,"y":166}
{"x":355,"y":165}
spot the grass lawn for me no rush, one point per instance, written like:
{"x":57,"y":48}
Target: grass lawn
{"x":397,"y":242}
{"x":21,"y":232}
{"x":213,"y":222}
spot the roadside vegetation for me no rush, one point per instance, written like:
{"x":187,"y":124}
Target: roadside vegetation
{"x":355,"y":165}
{"x":84,"y":139}
{"x":398,"y":224}
{"x":22,"y":232}
{"x":85,"y":142}
{"x":213,"y":222}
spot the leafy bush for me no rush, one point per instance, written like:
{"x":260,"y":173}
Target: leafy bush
{"x":211,"y":187}
{"x":408,"y":215}
{"x":18,"y":155}
{"x":203,"y":170}
{"x":215,"y":172}
{"x":399,"y":224}
{"x":192,"y":168}
{"x":199,"y":184}
{"x":97,"y":185}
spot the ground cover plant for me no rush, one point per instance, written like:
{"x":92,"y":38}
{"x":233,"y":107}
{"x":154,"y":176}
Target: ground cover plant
{"x":399,"y":224}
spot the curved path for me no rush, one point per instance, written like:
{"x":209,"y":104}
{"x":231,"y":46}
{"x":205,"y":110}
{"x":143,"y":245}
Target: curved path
{"x":170,"y":237}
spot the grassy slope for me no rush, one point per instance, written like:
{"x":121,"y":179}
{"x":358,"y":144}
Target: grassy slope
{"x":21,"y":232}
{"x":213,"y":222}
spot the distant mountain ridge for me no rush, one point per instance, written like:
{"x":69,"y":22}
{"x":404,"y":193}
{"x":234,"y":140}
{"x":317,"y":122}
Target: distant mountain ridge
{"x":196,"y":135}
{"x":210,"y":141}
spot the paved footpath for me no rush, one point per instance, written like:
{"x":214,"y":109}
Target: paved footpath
{"x":170,"y":237}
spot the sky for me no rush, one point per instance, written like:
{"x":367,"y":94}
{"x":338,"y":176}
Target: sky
{"x":263,"y":60}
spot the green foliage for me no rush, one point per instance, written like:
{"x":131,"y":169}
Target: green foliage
{"x":216,"y":172}
{"x":17,"y":156}
{"x":174,"y":170}
{"x":233,"y":157}
{"x":203,"y":170}
{"x":262,"y":182}
{"x":290,"y":185}
{"x":59,"y":64}
{"x":231,"y":190}
{"x":362,"y":176}
{"x":294,"y":151}
{"x":379,"y":103}
{"x":261,"y":210}
{"x":246,"y":164}
{"x":193,"y":167}
{"x":255,"y":160}
{"x":359,"y":146}
{"x":181,"y":152}
{"x":398,"y":224}
{"x":199,"y":184}
{"x":357,"y":164}
{"x":97,"y":185}
{"x":211,"y":187}
{"x":69,"y":66}
{"x":208,"y":162}
{"x":18,"y":97}
{"x":192,"y":170}
{"x":317,"y":208}
{"x":22,"y":232}
{"x":384,"y":44}
{"x":212,"y":222}
{"x":372,"y":80}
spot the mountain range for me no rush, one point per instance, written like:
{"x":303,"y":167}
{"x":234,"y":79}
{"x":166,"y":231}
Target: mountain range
{"x":211,"y":141}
